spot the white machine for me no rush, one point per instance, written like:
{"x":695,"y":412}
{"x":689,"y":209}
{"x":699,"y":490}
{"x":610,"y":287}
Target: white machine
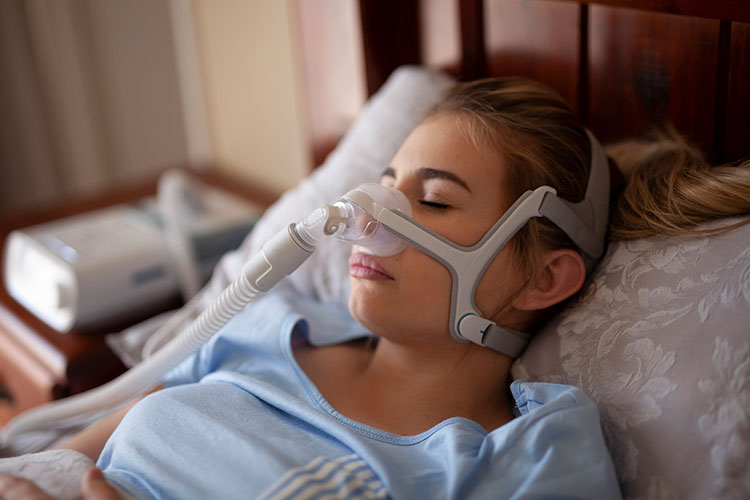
{"x":106,"y":265}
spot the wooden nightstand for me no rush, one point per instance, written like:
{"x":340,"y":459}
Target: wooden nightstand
{"x":39,"y":364}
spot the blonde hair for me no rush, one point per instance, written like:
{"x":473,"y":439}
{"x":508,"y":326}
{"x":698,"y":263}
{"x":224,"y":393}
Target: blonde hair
{"x":673,"y":190}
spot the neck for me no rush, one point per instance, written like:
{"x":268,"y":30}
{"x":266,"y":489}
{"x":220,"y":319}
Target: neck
{"x":439,"y":382}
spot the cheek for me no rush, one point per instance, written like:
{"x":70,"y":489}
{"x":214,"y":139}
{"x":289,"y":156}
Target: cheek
{"x":498,"y":284}
{"x":427,"y":282}
{"x":418,"y":298}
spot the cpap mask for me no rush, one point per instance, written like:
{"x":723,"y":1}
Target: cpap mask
{"x":377,"y":219}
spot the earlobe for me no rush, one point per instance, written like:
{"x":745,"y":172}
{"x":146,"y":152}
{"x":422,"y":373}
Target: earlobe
{"x":562,"y":276}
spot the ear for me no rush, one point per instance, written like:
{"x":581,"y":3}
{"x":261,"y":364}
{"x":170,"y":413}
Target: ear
{"x":562,"y":276}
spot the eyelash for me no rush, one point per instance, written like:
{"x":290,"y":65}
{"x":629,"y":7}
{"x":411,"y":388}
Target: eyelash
{"x":435,"y":205}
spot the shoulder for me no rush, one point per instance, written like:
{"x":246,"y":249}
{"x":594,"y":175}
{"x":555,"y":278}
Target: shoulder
{"x":325,"y":323}
{"x":533,"y":396}
{"x":280,"y":312}
{"x":558,"y":442}
{"x":554,"y":414}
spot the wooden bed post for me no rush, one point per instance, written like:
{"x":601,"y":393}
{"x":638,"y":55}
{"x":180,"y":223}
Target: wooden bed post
{"x":473,"y":54}
{"x":391,"y":37}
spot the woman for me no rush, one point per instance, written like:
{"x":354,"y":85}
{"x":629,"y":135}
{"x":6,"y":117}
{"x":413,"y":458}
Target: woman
{"x":295,"y":398}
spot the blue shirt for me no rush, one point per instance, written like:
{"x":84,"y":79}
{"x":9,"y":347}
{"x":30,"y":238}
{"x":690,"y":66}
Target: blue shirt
{"x":240,"y":419}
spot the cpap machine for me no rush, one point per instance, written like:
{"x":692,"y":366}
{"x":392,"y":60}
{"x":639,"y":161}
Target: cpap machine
{"x":378,"y":220}
{"x":93,"y":269}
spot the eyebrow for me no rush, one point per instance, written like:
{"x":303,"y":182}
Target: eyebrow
{"x":432,"y":173}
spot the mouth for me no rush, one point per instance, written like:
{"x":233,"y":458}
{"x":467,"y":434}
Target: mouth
{"x":365,"y":266}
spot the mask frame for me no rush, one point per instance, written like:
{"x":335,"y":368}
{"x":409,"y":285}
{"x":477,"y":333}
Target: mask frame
{"x":585,"y":222}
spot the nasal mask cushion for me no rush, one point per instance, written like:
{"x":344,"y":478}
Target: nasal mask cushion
{"x":364,"y":229}
{"x":382,"y":222}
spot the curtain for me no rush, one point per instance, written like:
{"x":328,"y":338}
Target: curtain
{"x":90,"y":98}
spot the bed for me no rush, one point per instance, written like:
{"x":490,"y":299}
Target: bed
{"x":659,"y":338}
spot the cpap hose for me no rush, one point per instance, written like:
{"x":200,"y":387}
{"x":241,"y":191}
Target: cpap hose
{"x":278,"y":257}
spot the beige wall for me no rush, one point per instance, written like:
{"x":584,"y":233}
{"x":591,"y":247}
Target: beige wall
{"x":252,"y":90}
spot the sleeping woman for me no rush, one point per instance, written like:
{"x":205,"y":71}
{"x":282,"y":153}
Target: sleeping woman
{"x":295,"y":398}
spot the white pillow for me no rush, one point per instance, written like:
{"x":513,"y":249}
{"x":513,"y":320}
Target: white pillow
{"x":56,"y":472}
{"x":660,"y":339}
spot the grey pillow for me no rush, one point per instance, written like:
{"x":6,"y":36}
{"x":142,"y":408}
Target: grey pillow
{"x":660,"y":339}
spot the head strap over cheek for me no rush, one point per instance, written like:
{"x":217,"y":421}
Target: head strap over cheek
{"x":585,"y":223}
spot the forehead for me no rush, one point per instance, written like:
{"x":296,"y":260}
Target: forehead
{"x":443,"y":141}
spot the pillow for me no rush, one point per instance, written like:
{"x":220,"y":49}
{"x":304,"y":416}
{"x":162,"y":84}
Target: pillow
{"x":660,"y":339}
{"x":57,"y":472}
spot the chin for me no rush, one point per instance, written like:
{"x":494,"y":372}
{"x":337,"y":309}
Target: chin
{"x":385,"y":315}
{"x":362,"y":309}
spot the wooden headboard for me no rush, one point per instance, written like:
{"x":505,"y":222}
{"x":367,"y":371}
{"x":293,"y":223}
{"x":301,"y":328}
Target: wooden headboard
{"x":624,"y":65}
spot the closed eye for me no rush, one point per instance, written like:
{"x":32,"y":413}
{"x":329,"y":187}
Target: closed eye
{"x":435,"y":205}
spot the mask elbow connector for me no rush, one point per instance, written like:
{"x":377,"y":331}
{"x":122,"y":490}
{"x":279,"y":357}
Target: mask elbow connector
{"x":327,"y":220}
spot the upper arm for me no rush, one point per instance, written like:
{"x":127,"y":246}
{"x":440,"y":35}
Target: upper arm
{"x":91,"y":440}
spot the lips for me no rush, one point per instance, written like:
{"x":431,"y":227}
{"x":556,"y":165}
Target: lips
{"x":365,"y":266}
